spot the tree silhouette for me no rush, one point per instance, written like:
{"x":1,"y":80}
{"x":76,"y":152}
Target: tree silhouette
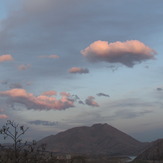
{"x":21,"y":151}
{"x":14,"y":131}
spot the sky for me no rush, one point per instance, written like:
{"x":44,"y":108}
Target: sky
{"x":68,"y":63}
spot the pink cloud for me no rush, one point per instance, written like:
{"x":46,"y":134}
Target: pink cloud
{"x":3,"y":116}
{"x":24,"y":67}
{"x":6,"y":57}
{"x":53,"y":56}
{"x":127,"y":53}
{"x":65,"y":94}
{"x":41,"y":102}
{"x":78,"y":70}
{"x":49,"y":93}
{"x":90,"y":101}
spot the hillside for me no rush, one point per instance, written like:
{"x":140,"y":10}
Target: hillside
{"x":154,"y":152}
{"x":97,"y":139}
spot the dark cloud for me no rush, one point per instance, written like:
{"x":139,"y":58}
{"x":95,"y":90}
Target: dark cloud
{"x":11,"y":85}
{"x":81,"y":102}
{"x":76,"y":98}
{"x":113,"y":67}
{"x":159,"y":89}
{"x":15,"y":85}
{"x":91,"y":101}
{"x":102,"y":94}
{"x":4,"y":82}
{"x":44,"y":123}
{"x":127,"y":53}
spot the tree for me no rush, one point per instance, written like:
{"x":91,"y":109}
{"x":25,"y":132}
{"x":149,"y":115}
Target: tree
{"x":15,"y":132}
{"x":22,"y":151}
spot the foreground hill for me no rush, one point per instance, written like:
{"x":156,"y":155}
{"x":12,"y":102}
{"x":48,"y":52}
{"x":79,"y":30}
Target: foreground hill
{"x":154,"y":152}
{"x":97,"y":139}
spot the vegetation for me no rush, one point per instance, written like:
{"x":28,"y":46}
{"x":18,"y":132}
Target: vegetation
{"x":21,"y":151}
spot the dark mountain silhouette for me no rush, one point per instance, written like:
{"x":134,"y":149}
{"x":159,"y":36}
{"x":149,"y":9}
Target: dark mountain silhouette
{"x":97,"y":139}
{"x":154,"y":152}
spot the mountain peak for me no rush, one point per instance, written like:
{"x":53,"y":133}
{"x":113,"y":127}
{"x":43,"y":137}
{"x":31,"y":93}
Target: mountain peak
{"x":100,"y":125}
{"x":97,"y":139}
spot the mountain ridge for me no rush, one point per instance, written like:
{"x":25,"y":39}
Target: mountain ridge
{"x":97,"y":139}
{"x":154,"y":152}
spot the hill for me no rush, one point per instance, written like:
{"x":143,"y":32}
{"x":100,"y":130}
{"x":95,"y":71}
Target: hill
{"x":154,"y":152}
{"x":97,"y":139}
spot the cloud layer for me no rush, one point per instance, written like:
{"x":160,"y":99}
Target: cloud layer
{"x":44,"y":123}
{"x":127,"y":53}
{"x":42,"y":102}
{"x":53,"y":56}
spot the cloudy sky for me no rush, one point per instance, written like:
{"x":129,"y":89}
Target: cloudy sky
{"x":67,"y":63}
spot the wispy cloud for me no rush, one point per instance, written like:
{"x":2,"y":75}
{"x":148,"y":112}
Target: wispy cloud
{"x":102,"y":94}
{"x":130,"y":103}
{"x":49,"y":93}
{"x":3,"y":116}
{"x":4,"y":82}
{"x":91,"y":101}
{"x":41,"y":102}
{"x":44,"y":123}
{"x":23,"y":67}
{"x":127,"y":53}
{"x":15,"y":85}
{"x":6,"y":57}
{"x":128,"y":113}
{"x":53,"y":56}
{"x":10,"y":84}
{"x":78,"y":70}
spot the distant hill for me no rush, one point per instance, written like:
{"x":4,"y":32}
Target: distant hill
{"x":97,"y":139}
{"x":154,"y":152}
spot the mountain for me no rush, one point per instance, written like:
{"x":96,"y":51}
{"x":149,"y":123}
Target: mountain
{"x":97,"y":139}
{"x":154,"y":152}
